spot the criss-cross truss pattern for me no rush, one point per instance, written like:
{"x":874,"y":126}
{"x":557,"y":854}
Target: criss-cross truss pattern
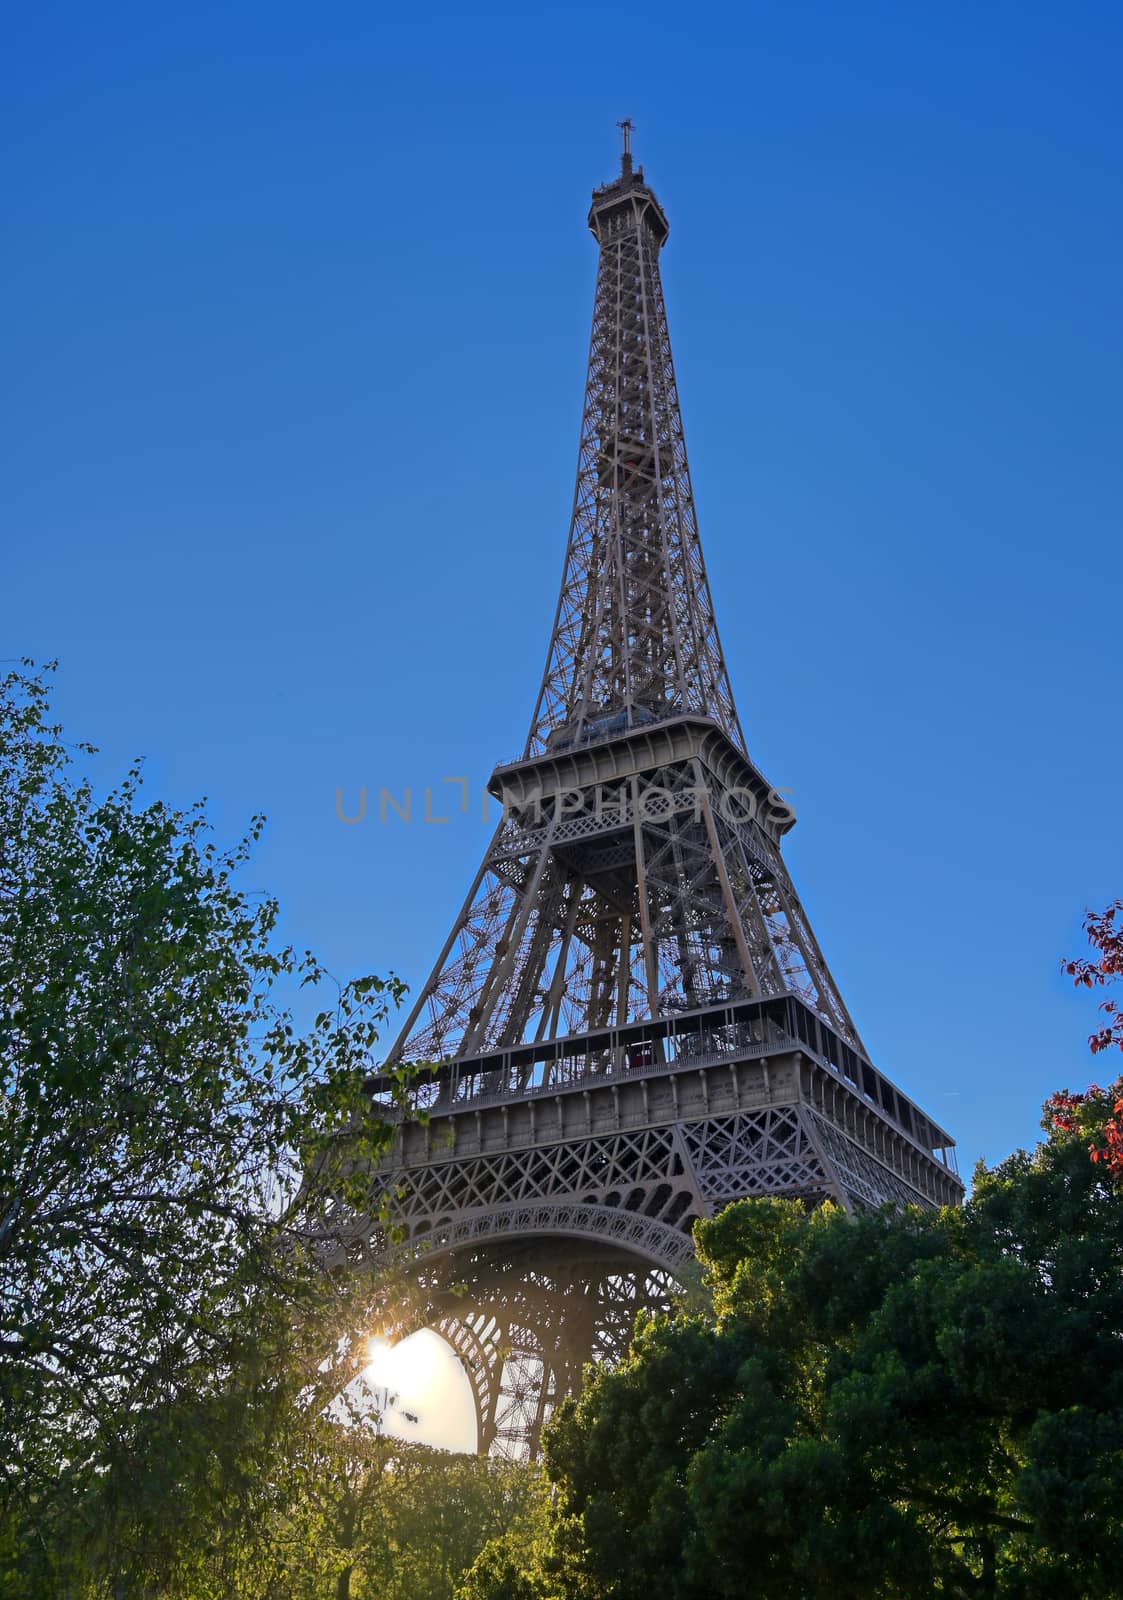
{"x":631,"y":1022}
{"x":524,"y":1324}
{"x":634,"y":637}
{"x":638,"y":877}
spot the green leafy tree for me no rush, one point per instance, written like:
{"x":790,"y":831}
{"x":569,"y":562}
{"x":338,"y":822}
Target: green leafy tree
{"x":170,"y":1187}
{"x":444,"y":1511}
{"x":525,"y":1560}
{"x":907,"y":1405}
{"x":335,"y":1511}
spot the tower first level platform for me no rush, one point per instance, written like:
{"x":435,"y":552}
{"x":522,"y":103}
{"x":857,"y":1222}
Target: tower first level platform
{"x":629,"y":1134}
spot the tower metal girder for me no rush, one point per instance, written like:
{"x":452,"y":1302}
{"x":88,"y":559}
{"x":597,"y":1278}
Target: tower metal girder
{"x":634,"y":633}
{"x":631,"y":1022}
{"x":527,"y":1316}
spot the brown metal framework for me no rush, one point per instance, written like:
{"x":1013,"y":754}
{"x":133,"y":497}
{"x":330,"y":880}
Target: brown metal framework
{"x":631,"y":1022}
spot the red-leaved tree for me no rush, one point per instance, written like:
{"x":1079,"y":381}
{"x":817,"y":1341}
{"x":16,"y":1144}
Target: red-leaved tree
{"x":1106,"y":936}
{"x":1097,"y":1112}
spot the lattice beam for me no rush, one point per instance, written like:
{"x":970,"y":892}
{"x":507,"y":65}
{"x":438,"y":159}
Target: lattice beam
{"x":632,"y":945}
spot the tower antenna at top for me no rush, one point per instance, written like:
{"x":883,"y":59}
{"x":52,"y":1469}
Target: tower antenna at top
{"x":626,"y":126}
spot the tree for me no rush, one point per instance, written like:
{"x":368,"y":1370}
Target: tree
{"x":908,"y":1405}
{"x":1106,"y":936}
{"x":335,"y":1511}
{"x":168,"y":1144}
{"x":1097,"y":1113}
{"x":523,"y":1562}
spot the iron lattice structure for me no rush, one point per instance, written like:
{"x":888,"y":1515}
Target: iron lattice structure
{"x":631,"y":1022}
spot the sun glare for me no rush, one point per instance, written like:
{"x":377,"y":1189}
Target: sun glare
{"x":421,"y":1389}
{"x":408,"y":1367}
{"x":379,"y":1371}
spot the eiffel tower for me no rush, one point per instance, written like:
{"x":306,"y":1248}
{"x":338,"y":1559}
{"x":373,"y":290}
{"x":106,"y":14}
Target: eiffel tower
{"x":631,"y":1023}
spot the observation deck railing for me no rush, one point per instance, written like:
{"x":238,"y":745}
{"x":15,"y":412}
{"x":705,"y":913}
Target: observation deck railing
{"x":712,"y":1036}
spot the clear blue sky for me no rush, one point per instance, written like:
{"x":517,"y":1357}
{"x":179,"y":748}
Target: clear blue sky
{"x":296,"y":302}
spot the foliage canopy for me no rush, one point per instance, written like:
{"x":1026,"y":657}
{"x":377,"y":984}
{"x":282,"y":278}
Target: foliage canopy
{"x":167,"y":1147}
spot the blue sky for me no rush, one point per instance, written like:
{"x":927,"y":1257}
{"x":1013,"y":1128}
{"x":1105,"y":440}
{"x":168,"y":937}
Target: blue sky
{"x":295,"y":308}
